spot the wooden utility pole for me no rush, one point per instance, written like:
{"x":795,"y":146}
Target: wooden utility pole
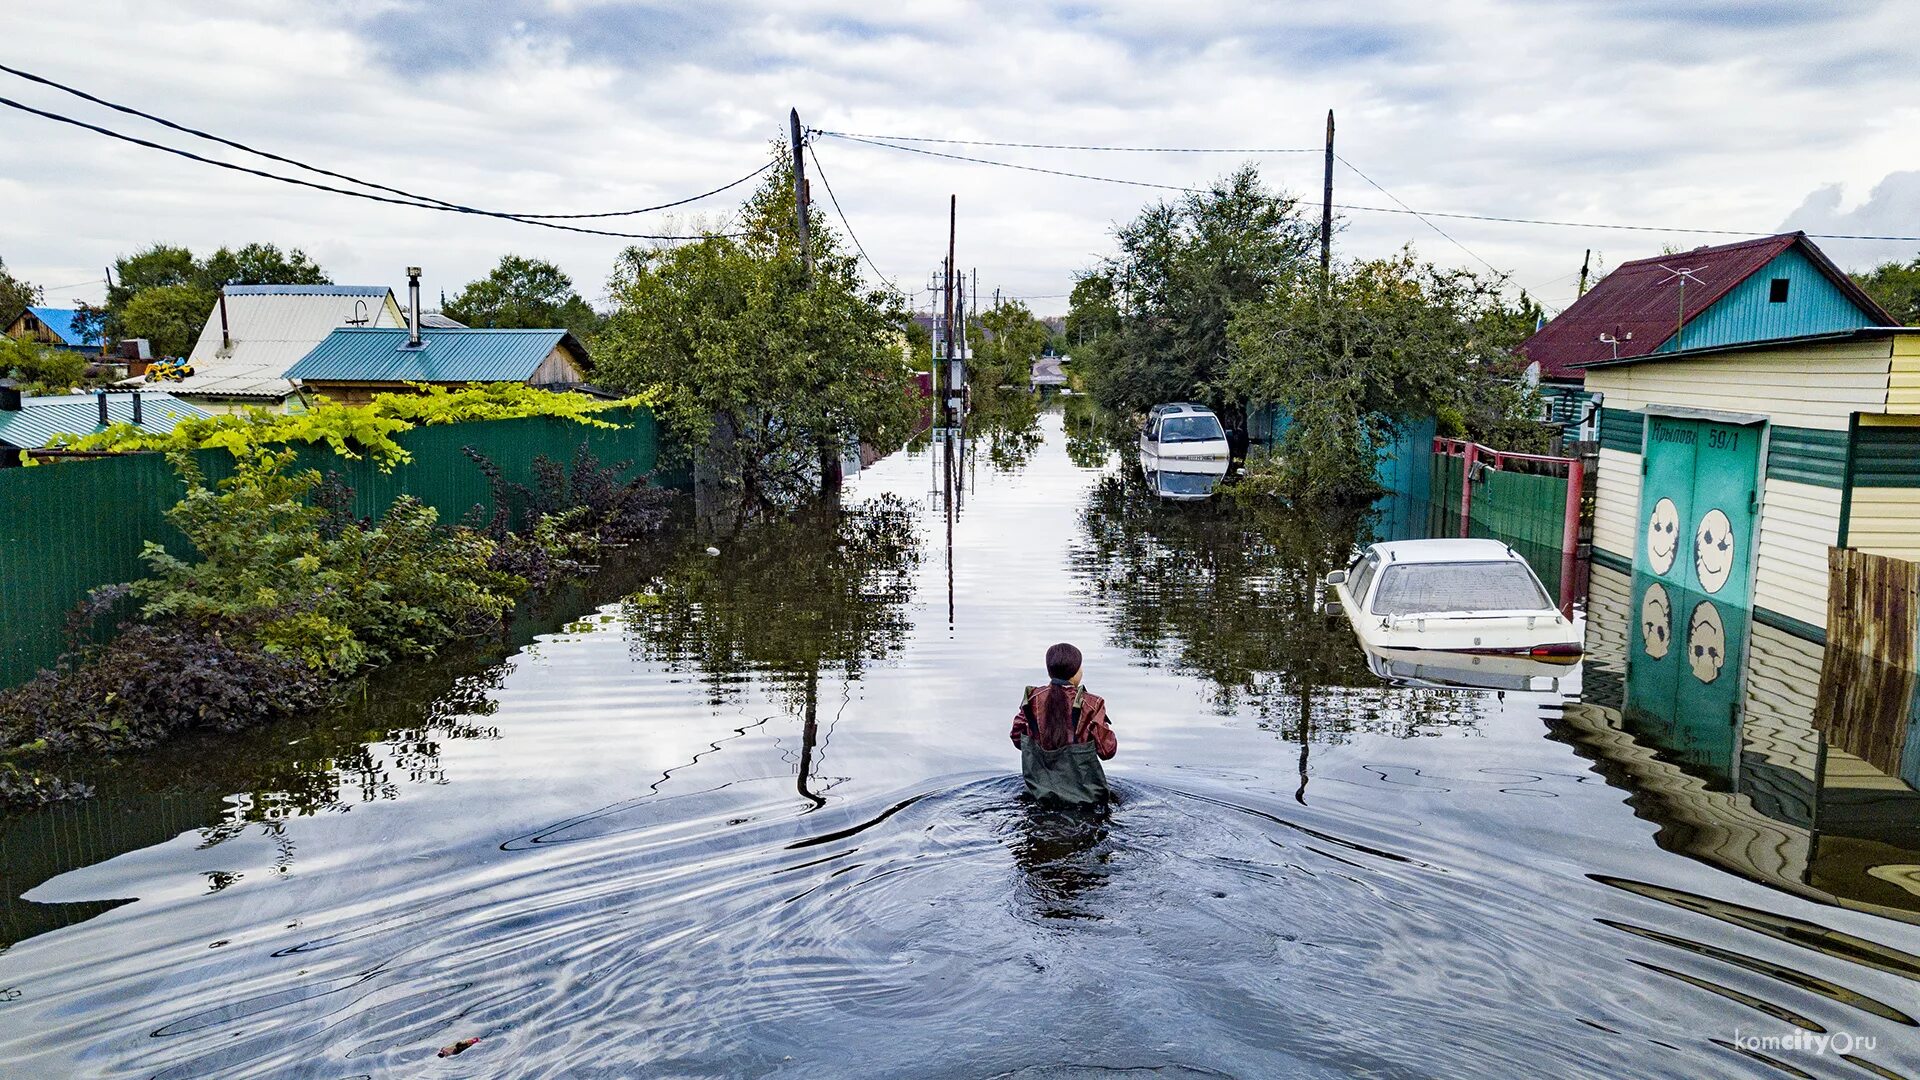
{"x":953,"y":227}
{"x":1584,"y":263}
{"x":800,"y":190}
{"x":1326,"y":207}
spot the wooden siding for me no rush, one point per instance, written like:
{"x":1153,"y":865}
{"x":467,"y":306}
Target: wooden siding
{"x":1609,"y":613}
{"x":1903,"y":387}
{"x":1616,"y":503}
{"x":1798,"y":523}
{"x":558,"y":369}
{"x":1811,"y":386}
{"x":1814,"y":305}
{"x":1885,"y":521}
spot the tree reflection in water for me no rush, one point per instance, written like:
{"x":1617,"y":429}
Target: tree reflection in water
{"x":1227,"y":591}
{"x":1008,"y":423}
{"x":824,"y":589}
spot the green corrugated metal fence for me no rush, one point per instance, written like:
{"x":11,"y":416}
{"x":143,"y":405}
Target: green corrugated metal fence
{"x":70,"y":527}
{"x":1525,"y":510}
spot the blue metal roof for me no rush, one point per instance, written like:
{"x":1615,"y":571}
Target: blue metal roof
{"x":380,"y":354}
{"x":306,"y":290}
{"x":60,"y":321}
{"x":41,"y":418}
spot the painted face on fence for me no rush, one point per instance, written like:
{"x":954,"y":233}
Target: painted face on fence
{"x":1713,"y":551}
{"x":1706,"y":642}
{"x":1656,"y":621}
{"x":1663,"y":535}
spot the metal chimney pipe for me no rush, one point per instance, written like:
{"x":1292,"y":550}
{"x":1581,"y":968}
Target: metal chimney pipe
{"x":101,"y":397}
{"x":413,"y":307}
{"x":136,"y":409}
{"x":226,"y":341}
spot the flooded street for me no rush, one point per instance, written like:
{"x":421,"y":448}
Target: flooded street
{"x":758,"y":814}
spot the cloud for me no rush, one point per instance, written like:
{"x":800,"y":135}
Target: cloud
{"x":1892,"y":208}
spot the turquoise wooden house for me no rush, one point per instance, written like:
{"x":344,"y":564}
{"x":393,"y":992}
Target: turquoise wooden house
{"x":1750,"y":397}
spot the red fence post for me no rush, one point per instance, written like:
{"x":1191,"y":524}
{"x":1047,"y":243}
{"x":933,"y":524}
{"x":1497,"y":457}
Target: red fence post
{"x":1570,"y":534}
{"x":1466,"y":485}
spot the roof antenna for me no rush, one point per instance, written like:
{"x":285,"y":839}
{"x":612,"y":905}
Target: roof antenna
{"x":1681,"y":274}
{"x":359,"y":314}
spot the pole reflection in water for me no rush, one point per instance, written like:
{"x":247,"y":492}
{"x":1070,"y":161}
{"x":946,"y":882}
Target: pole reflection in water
{"x":759,"y":816}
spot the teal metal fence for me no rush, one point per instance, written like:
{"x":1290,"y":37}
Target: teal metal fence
{"x":69,"y":527}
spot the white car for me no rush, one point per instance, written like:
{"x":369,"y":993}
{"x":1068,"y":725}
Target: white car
{"x":1461,"y":596}
{"x":1182,"y":431}
{"x":1183,"y":479}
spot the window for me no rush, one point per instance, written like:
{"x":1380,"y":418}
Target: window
{"x":1426,"y":588}
{"x":1362,"y":576}
{"x":1190,"y":429}
{"x":1778,"y":293}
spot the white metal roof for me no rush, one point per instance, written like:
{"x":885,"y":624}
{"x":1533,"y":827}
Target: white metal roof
{"x":1445,"y":550}
{"x":269,"y":331}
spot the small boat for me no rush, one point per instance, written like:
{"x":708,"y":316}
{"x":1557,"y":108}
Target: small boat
{"x":1183,"y":430}
{"x":1183,"y":479}
{"x":1457,"y":596}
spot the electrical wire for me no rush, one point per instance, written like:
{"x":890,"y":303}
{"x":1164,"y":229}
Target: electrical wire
{"x":848,"y":225}
{"x":1447,"y":236}
{"x":297,"y":182}
{"x":1066,"y":146}
{"x":1423,"y":214}
{"x":269,"y":155}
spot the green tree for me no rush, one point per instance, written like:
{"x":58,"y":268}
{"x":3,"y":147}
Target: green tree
{"x":770,"y":370}
{"x":526,"y":294}
{"x":1005,"y":340}
{"x":15,"y":294}
{"x":259,"y":264}
{"x":40,"y":370}
{"x":164,"y":266}
{"x":168,"y":316}
{"x":1897,"y":288}
{"x":1181,"y":270}
{"x":1388,"y":340}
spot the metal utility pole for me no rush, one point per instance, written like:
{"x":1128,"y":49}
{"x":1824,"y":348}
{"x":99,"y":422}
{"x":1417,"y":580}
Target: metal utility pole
{"x":800,"y":190}
{"x":1584,"y":263}
{"x":1326,"y":208}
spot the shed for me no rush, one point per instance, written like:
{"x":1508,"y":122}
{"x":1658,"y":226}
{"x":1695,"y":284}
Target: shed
{"x":30,"y":423}
{"x":254,"y":332}
{"x":55,"y":328}
{"x":1727,"y":470}
{"x":354,"y":364}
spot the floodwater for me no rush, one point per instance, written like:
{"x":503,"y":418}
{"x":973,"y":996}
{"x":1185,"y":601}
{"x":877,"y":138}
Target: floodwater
{"x":753,"y":815}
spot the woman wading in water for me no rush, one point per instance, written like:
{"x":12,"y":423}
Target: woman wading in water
{"x":1063,"y":736}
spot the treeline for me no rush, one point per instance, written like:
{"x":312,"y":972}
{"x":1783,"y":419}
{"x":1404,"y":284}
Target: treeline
{"x":1219,"y":298}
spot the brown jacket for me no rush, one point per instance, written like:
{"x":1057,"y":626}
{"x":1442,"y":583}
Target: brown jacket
{"x":1093,"y":726}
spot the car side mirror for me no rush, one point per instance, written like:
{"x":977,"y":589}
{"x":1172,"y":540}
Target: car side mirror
{"x":1338,"y":577}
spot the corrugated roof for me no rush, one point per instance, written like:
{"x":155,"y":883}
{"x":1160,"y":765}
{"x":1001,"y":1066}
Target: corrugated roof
{"x":270,"y":327}
{"x":1641,"y":298}
{"x":307,"y":290}
{"x":41,"y":418}
{"x":60,"y":321}
{"x":357,"y":354}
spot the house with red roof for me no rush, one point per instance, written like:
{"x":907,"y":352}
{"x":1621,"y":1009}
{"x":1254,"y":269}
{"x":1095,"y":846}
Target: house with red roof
{"x":1754,"y":409}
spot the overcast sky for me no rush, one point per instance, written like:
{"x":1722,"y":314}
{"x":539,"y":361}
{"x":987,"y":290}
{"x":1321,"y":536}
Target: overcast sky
{"x":1699,"y":113}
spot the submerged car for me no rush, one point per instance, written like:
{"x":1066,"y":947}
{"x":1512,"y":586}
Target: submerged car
{"x":1183,"y":479}
{"x":1183,"y":430}
{"x":1458,"y":596}
{"x":1474,"y":671}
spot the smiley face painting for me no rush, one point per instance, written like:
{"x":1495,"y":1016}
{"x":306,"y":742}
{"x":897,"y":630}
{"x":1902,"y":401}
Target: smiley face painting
{"x":1663,"y":535}
{"x":1713,"y":550}
{"x":1706,"y":642}
{"x":1656,"y":621}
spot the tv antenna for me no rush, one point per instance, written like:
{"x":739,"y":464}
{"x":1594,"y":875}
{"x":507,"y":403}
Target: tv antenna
{"x":1681,"y":275}
{"x":1615,"y":340}
{"x":359,"y":314}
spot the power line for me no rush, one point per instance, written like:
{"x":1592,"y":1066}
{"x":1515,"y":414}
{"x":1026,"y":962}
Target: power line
{"x":1066,"y":146}
{"x":191,"y":156}
{"x":835,"y":199}
{"x":269,"y":155}
{"x":1372,"y":209}
{"x":1449,"y":238}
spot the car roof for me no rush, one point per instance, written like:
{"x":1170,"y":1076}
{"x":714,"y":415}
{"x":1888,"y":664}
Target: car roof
{"x":1444,"y":550}
{"x":1180,"y":407}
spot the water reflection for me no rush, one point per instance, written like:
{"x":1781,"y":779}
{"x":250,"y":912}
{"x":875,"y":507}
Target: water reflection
{"x":1753,"y":749}
{"x":1182,"y":479}
{"x":1422,"y":667}
{"x":1064,"y":858}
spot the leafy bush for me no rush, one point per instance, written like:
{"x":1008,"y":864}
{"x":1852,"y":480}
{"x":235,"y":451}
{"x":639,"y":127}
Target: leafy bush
{"x":356,"y":430}
{"x":574,"y":511}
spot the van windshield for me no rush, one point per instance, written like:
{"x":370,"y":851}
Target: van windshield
{"x":1190,"y":429}
{"x":1418,"y":588}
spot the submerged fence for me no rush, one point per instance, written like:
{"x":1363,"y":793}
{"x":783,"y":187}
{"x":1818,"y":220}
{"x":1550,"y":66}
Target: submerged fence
{"x":69,"y":527}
